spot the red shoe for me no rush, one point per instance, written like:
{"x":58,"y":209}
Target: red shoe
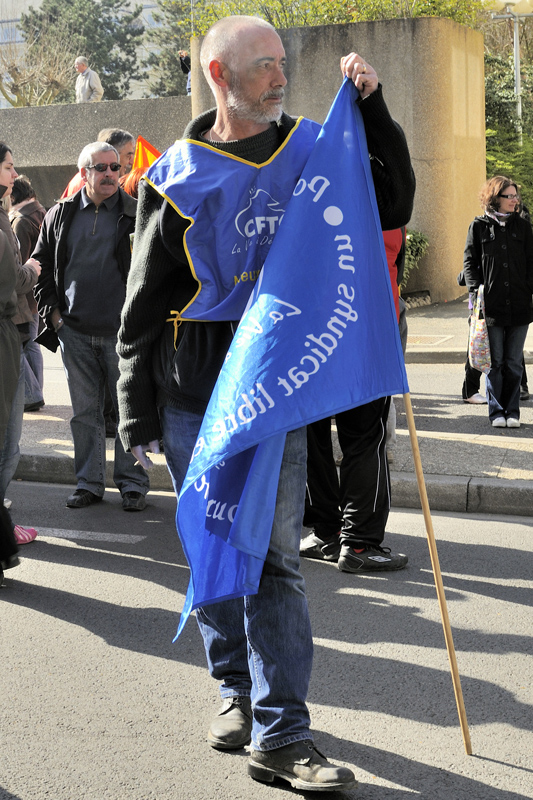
{"x":24,"y":535}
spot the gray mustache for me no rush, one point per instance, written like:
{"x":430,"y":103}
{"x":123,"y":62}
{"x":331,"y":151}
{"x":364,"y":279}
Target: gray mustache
{"x":277,"y":94}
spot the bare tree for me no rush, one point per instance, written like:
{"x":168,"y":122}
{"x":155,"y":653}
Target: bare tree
{"x":35,"y":71}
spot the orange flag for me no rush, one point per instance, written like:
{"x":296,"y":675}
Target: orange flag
{"x":145,"y":154}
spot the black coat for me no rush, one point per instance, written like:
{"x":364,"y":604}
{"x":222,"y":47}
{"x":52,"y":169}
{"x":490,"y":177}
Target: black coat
{"x":501,"y":258}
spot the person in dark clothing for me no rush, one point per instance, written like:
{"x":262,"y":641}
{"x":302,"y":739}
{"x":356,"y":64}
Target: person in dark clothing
{"x":12,"y":403}
{"x":348,"y":517}
{"x":85,"y":251}
{"x":185,"y":64}
{"x":260,"y":648}
{"x":9,"y":374}
{"x":499,"y":255}
{"x":26,"y":216}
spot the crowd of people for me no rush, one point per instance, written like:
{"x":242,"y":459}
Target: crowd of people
{"x":69,"y":280}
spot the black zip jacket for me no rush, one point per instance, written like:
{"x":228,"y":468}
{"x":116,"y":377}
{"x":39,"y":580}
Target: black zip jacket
{"x":51,"y":251}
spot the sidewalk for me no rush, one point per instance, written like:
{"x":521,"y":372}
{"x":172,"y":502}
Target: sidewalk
{"x":468,"y":465}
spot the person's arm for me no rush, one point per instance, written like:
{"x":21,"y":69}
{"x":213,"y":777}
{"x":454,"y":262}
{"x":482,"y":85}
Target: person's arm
{"x":151,"y":281}
{"x":96,"y":88}
{"x":529,"y":254}
{"x":25,"y":230}
{"x":27,"y":275}
{"x":472,"y":259}
{"x":45,"y":290}
{"x":394,"y":179}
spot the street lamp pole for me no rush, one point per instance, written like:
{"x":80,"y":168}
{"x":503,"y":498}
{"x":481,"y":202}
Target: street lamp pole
{"x":514,"y":10}
{"x":517,"y":86}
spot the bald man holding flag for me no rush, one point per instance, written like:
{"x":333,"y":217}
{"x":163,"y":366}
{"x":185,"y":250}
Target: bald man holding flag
{"x":258,"y":267}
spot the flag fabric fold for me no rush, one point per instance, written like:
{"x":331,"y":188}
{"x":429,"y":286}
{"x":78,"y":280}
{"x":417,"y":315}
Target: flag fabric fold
{"x":319,"y":336}
{"x":145,"y":154}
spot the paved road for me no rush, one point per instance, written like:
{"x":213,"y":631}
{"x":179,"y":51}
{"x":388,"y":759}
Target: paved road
{"x":98,"y":704}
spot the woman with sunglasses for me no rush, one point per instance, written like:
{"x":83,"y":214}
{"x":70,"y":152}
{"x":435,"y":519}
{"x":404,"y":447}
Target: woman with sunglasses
{"x":499,"y":255}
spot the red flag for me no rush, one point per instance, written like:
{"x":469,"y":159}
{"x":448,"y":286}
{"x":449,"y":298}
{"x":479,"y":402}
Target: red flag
{"x":145,"y":154}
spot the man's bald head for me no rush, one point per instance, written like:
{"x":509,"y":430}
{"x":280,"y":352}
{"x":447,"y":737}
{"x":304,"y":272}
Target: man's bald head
{"x":221,"y":40}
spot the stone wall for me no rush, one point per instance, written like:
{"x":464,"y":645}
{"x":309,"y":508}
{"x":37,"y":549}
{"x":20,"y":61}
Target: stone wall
{"x":47,"y":141}
{"x":432,"y":75}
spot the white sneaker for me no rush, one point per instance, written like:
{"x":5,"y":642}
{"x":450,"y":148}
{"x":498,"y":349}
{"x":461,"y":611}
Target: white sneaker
{"x":512,"y":422}
{"x":7,"y":503}
{"x":499,"y":422}
{"x":476,"y":399}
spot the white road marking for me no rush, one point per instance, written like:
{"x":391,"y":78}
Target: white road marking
{"x":94,"y":536}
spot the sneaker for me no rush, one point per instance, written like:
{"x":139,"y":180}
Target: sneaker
{"x":499,"y":422}
{"x":24,"y":535}
{"x":7,"y":503}
{"x":524,"y":393}
{"x":301,"y":765}
{"x":324,"y":549}
{"x":371,"y":559}
{"x":512,"y":422}
{"x":231,"y":729}
{"x":476,"y":399}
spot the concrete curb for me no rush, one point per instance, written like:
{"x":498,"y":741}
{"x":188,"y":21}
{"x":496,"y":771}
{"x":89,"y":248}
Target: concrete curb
{"x":458,"y":494}
{"x":452,"y":355}
{"x":418,"y":356}
{"x":60,"y":469}
{"x":463,"y":494}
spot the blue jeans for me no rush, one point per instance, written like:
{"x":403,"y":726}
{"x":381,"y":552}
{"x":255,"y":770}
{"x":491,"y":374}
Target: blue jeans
{"x":261,"y":645}
{"x":503,"y":380}
{"x":10,"y":453}
{"x":33,"y":366}
{"x":88,"y":360}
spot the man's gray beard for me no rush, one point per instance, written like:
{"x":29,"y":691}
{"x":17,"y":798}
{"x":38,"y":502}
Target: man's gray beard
{"x":239,"y":108}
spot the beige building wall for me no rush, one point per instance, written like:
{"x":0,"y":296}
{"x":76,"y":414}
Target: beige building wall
{"x":432,"y":75}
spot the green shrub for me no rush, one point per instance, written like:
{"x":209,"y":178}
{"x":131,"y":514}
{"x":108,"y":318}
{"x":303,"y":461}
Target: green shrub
{"x":416,"y":244}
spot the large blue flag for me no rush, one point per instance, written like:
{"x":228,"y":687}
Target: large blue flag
{"x":319,"y":337}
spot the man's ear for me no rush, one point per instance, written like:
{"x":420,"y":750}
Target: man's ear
{"x":83,"y":173}
{"x":219,"y":72}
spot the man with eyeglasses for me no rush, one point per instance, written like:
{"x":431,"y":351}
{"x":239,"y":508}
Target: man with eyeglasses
{"x":86,"y":253}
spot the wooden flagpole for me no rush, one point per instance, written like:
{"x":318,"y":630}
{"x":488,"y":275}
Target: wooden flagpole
{"x":437,"y":574}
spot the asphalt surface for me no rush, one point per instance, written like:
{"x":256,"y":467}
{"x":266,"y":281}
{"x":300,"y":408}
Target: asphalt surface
{"x":467,"y":464}
{"x":99,"y":704}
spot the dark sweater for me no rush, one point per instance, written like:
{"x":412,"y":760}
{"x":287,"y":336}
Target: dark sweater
{"x":155,"y":369}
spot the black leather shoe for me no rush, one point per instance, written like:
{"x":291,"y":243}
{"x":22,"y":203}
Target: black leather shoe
{"x":34,"y":406}
{"x":133,"y":501}
{"x":9,"y":562}
{"x":301,"y":765}
{"x":82,"y":498}
{"x":232,"y":727}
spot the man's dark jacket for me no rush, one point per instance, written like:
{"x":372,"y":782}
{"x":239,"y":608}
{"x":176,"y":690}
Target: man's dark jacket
{"x":51,"y":251}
